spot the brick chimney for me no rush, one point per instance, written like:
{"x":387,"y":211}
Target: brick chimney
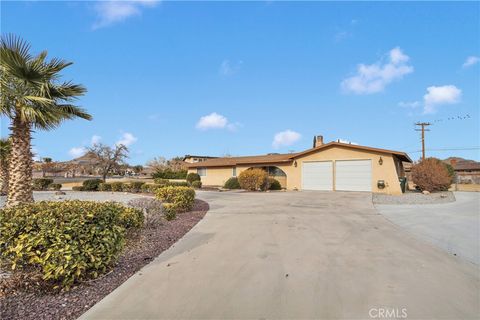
{"x":317,"y":141}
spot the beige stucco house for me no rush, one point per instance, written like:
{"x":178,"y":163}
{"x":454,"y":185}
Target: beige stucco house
{"x":329,"y":167}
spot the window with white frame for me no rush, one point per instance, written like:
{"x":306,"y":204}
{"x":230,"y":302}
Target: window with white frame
{"x":234,"y":171}
{"x":202,"y":172}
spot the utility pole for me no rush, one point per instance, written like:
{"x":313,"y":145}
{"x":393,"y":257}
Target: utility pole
{"x":423,"y":125}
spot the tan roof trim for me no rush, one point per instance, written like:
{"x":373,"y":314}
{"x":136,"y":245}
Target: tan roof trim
{"x":402,"y":155}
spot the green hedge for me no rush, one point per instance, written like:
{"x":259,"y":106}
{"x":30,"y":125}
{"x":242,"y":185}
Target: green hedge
{"x":179,"y":199}
{"x":55,"y":186}
{"x":77,"y":188}
{"x":192,"y":176}
{"x":135,"y":186}
{"x":117,"y":186}
{"x":170,"y":174}
{"x":197,"y":184}
{"x":232,"y":183}
{"x":41,"y":184}
{"x":91,"y":184}
{"x":273,"y":184}
{"x":104,"y":186}
{"x":66,"y":241}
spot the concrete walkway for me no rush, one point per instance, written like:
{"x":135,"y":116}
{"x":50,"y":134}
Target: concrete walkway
{"x":296,"y":255}
{"x":454,"y":227}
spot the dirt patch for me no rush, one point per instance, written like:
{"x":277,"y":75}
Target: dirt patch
{"x":148,"y":244}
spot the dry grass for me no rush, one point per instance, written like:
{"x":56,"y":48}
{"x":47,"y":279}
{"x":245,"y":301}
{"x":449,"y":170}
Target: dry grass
{"x":466,"y":187}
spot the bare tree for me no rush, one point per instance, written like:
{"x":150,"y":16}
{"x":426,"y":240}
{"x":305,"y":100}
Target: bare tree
{"x":109,"y":159}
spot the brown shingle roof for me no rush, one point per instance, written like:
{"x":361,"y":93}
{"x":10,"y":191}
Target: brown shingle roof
{"x":287,"y":157}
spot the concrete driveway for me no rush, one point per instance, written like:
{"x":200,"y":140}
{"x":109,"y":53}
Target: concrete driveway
{"x":454,"y":227}
{"x":296,"y":255}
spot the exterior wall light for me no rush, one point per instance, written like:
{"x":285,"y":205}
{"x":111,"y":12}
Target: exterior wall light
{"x":381,"y":184}
{"x":380,"y":161}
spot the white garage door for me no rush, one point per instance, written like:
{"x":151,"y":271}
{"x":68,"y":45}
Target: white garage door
{"x":317,"y":175}
{"x":353,"y":175}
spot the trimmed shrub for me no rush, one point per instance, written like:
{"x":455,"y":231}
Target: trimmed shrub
{"x":135,"y":186}
{"x":65,"y":241}
{"x":77,"y":188}
{"x":273,"y":184}
{"x":232,"y":183}
{"x":170,"y":211}
{"x":197,"y":184}
{"x":161,"y":181}
{"x":253,"y":179}
{"x":40,"y":184}
{"x":170,"y":174}
{"x":181,"y":197}
{"x":104,"y":186}
{"x":91,"y":184}
{"x":55,"y":186}
{"x":178,"y":184}
{"x":431,"y":174}
{"x":451,"y":172}
{"x":117,"y":186}
{"x":192,"y":176}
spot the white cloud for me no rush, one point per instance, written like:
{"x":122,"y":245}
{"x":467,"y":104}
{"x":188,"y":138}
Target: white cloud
{"x":111,"y":12}
{"x":127,"y":139}
{"x":215,"y":121}
{"x":285,"y":138}
{"x":441,"y":95}
{"x":375,"y":77}
{"x":472,"y":60}
{"x":411,"y":104}
{"x":95,"y":139}
{"x":77,"y":151}
{"x":228,"y":68}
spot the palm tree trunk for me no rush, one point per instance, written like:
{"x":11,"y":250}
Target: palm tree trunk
{"x":20,"y":165}
{"x":3,"y":177}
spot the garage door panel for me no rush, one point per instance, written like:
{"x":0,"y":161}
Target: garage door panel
{"x":353,"y":175}
{"x":317,"y":175}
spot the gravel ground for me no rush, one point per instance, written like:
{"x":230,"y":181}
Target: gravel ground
{"x":79,"y":195}
{"x":148,"y":244}
{"x":414,"y":198}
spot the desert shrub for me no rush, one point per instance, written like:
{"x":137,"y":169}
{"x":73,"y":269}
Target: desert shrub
{"x":152,"y":210}
{"x":431,"y":174}
{"x":77,"y":188}
{"x":161,"y":181}
{"x":253,"y":179}
{"x":451,"y":172}
{"x":151,"y":188}
{"x":170,"y":211}
{"x":182,"y":198}
{"x":170,"y":174}
{"x":117,"y":186}
{"x":232,"y":183}
{"x":65,"y":241}
{"x":104,"y":186}
{"x":192,"y":176}
{"x":179,"y":183}
{"x":135,"y":186}
{"x":197,"y":184}
{"x":91,"y":184}
{"x":41,"y":183}
{"x":273,"y":184}
{"x":55,"y":186}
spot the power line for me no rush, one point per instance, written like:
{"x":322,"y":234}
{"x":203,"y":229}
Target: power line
{"x":447,"y":149}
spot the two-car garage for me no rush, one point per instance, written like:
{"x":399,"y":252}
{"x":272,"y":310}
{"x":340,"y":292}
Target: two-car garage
{"x":344,"y":175}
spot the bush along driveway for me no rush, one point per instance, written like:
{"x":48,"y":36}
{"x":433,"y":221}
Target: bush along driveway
{"x":296,"y":255}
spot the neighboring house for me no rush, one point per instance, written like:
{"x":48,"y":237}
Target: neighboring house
{"x":331,"y":166}
{"x":194,"y":159}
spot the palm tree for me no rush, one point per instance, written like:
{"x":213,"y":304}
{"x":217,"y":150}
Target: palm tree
{"x":5,"y":148}
{"x":32,"y":98}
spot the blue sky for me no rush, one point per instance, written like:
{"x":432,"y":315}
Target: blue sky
{"x":215,"y":78}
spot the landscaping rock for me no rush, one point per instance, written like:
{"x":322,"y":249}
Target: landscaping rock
{"x":414,"y":198}
{"x":425,"y":192}
{"x":60,"y":193}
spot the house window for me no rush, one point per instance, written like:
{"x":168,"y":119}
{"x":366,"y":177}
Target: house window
{"x":202,"y":172}
{"x":234,"y":171}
